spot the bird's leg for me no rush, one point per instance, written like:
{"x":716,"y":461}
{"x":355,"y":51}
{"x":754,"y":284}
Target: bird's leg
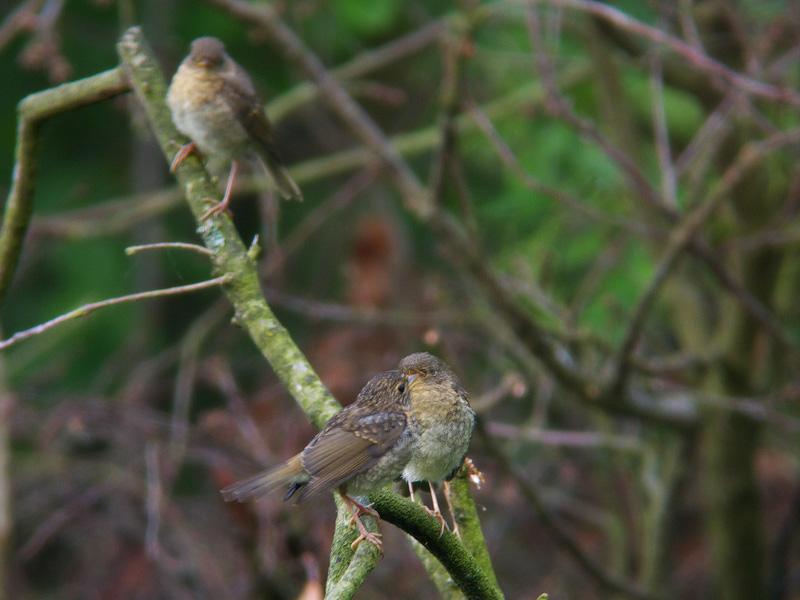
{"x":411,"y":491}
{"x":223,"y":204}
{"x":436,"y":513}
{"x":450,"y":508}
{"x":185,"y":151}
{"x":359,"y":509}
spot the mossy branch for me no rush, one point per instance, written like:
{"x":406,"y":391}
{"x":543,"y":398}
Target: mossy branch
{"x":230,"y":257}
{"x":32,"y":111}
{"x":463,"y":567}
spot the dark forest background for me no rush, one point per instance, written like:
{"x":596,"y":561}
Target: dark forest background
{"x":626,"y":177}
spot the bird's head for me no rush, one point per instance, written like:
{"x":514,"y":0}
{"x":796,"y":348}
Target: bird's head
{"x":207,"y":53}
{"x":422,"y":367}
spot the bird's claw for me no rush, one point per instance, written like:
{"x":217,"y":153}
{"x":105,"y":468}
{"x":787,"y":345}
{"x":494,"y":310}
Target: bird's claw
{"x":368,"y":536}
{"x":358,"y":510}
{"x":436,"y":514}
{"x":217,"y":209}
{"x":185,"y":151}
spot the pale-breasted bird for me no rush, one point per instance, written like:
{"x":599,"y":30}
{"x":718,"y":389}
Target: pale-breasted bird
{"x":445,"y":420}
{"x":214,"y":102}
{"x":362,"y":448}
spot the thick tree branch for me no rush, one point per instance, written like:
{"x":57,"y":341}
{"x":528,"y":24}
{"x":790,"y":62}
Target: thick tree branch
{"x":409,"y":516}
{"x":33,"y":111}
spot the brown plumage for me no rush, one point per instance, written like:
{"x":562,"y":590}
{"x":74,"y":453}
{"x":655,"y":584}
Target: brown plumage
{"x":214,"y":102}
{"x":361,"y":449}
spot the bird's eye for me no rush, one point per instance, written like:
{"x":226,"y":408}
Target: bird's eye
{"x":401,"y":388}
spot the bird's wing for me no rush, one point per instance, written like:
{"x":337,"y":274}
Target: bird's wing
{"x":348,"y":446}
{"x":246,"y":106}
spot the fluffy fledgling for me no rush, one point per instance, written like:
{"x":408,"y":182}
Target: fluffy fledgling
{"x":214,"y":102}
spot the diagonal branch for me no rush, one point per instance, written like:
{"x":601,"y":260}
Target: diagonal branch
{"x":87,"y":309}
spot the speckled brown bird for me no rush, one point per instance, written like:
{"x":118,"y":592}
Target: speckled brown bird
{"x":214,"y":102}
{"x":362,"y":448}
{"x":440,"y":407}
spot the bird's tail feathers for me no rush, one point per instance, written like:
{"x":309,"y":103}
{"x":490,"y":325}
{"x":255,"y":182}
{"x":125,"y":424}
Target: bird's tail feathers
{"x":291,"y":473}
{"x":284,"y":183}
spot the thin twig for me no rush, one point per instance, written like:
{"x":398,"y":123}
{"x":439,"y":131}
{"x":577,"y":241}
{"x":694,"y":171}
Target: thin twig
{"x":153,"y":502}
{"x":668,"y":184}
{"x":567,"y":439}
{"x":131,"y":250}
{"x":560,"y":108}
{"x":682,"y":235}
{"x":364,"y":63}
{"x":508,"y":157}
{"x":87,"y":309}
{"x":692,"y":55}
{"x":557,"y":531}
{"x":22,"y":18}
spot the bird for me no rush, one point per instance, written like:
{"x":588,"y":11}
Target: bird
{"x":362,"y":448}
{"x":445,"y":422}
{"x":213,"y":102}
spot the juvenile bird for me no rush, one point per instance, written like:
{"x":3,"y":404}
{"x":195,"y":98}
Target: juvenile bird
{"x":441,"y":409}
{"x":214,"y":103}
{"x":361,"y":449}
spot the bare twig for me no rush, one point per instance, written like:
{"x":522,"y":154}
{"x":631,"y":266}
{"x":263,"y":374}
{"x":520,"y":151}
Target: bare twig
{"x":60,"y":518}
{"x":87,"y":309}
{"x":560,"y":108}
{"x":220,"y":373}
{"x":568,"y":439}
{"x":153,"y":502}
{"x":131,"y":250}
{"x":568,"y":200}
{"x":23,"y":18}
{"x":558,"y":532}
{"x":692,"y":55}
{"x":328,"y":311}
{"x":364,"y":63}
{"x":6,"y":518}
{"x":668,"y":183}
{"x":682,"y":235}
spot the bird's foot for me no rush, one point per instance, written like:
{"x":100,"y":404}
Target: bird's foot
{"x":437,"y":514}
{"x":217,"y":209}
{"x":222,"y":206}
{"x":358,"y":510}
{"x":367,"y":536}
{"x":449,"y":501}
{"x":185,"y":151}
